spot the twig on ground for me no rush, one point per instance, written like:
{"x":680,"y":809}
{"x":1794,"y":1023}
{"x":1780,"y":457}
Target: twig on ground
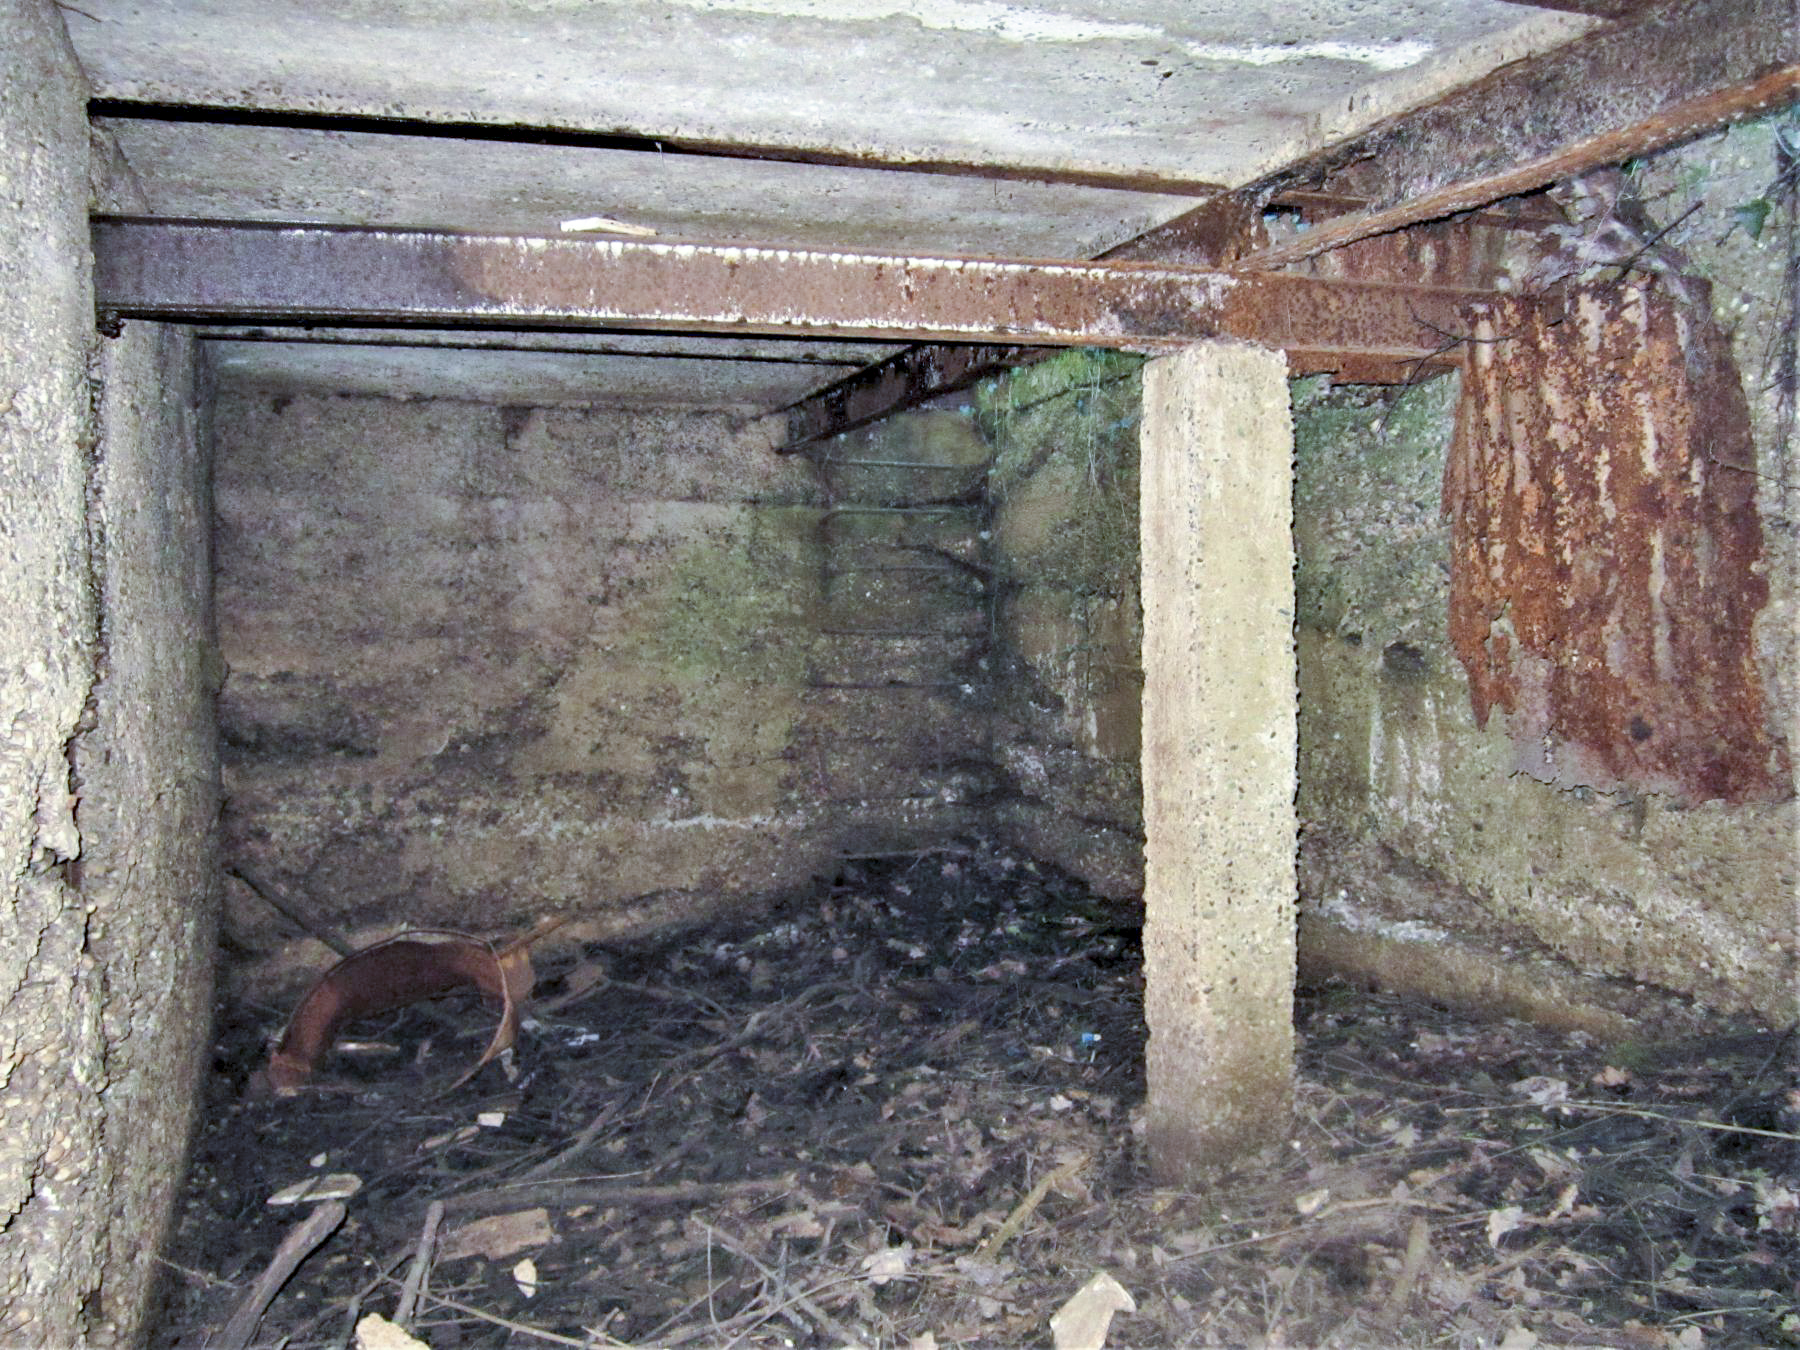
{"x":580,"y":1145}
{"x":827,"y":1323}
{"x":1418,"y":1245}
{"x":1022,"y":1212}
{"x":294,"y":1249}
{"x":568,"y":1194}
{"x":518,"y":1328}
{"x":1609,"y":1108}
{"x":421,"y":1264}
{"x":296,"y":912}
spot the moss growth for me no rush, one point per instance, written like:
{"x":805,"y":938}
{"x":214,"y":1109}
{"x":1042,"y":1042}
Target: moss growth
{"x":1369,"y":466}
{"x":731,"y":604}
{"x":1064,"y":494}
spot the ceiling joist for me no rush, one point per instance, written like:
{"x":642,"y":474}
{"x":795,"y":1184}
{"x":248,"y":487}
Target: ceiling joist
{"x":212,"y":272}
{"x":128,"y":110}
{"x":904,"y":380}
{"x":1618,"y":93}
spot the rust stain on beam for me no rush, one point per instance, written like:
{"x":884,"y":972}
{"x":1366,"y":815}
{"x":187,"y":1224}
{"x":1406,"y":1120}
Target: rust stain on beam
{"x":1607,"y":566}
{"x":1616,"y":93}
{"x":904,"y":380}
{"x":1598,"y":9}
{"x":1214,"y":234}
{"x":213,"y":272}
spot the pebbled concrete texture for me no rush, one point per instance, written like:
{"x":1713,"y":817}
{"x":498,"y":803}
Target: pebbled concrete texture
{"x":105,"y":781}
{"x":1219,"y":759}
{"x":148,"y":776}
{"x":52,"y":1057}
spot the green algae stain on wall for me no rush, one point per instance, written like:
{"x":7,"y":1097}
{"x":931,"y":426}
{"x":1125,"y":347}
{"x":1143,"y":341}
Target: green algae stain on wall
{"x":1069,"y":627}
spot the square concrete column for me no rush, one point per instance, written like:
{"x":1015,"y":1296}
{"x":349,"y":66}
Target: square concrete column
{"x":1220,"y":702}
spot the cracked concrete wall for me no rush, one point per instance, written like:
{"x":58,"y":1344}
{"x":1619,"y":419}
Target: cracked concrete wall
{"x":487,"y":663}
{"x":106,"y":798}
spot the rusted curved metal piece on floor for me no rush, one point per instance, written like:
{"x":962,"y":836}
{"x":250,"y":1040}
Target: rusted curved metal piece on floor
{"x":401,"y":970}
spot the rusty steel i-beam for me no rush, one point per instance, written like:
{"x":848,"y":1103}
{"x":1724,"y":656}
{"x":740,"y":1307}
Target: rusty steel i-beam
{"x":213,"y":272}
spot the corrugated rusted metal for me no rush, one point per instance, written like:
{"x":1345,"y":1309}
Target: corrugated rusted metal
{"x":1606,"y":569}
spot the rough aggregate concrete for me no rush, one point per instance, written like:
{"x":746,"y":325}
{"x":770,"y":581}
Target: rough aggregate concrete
{"x":51,"y":1055}
{"x":148,"y":776}
{"x":1219,"y":756}
{"x":105,"y":779}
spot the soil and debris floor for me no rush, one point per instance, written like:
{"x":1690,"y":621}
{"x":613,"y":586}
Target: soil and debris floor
{"x":899,"y":1113}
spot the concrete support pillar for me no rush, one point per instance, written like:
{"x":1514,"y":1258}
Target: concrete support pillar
{"x":1219,"y":752}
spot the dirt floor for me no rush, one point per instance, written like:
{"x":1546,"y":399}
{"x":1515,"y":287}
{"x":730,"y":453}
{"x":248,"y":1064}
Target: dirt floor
{"x":900,"y":1112}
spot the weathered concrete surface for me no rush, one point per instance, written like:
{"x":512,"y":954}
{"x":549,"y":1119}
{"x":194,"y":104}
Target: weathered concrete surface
{"x":1395,"y":776}
{"x":52,"y":1059}
{"x":105,"y":780}
{"x":1069,"y":624}
{"x":536,"y":370}
{"x":899,"y":677}
{"x":1174,"y":92}
{"x":1219,"y":755}
{"x":210,"y":172}
{"x":492,"y":662}
{"x":147,"y":773}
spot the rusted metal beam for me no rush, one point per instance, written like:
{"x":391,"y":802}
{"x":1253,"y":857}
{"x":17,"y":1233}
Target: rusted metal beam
{"x":1215,"y":235}
{"x":1597,"y":9}
{"x":210,"y":272}
{"x":904,"y":380}
{"x":1611,"y":95}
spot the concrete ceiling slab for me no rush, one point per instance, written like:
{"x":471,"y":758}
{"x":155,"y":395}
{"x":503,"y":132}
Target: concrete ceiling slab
{"x":237,"y":172}
{"x":1215,"y":91}
{"x":1048,"y":129}
{"x":540,"y":369}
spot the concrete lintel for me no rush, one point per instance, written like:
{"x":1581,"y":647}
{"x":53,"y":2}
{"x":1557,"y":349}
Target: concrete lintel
{"x":1219,"y":754}
{"x":214,"y":272}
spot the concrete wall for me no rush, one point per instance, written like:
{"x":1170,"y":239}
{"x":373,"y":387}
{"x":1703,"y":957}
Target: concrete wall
{"x":1417,"y":824}
{"x":1569,"y":905}
{"x":148,"y":777}
{"x":487,"y":663}
{"x":897,"y":719}
{"x":106,"y":773}
{"x":1069,"y":619}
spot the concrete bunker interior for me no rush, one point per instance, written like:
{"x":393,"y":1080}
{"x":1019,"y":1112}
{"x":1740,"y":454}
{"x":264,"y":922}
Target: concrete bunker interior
{"x":444,"y":626}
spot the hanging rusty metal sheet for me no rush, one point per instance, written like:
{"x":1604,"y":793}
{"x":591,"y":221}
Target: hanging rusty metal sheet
{"x":1606,"y":572}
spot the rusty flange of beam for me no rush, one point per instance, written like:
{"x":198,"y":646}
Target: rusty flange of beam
{"x":1622,"y":91}
{"x":905,"y":380}
{"x":231,"y":272}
